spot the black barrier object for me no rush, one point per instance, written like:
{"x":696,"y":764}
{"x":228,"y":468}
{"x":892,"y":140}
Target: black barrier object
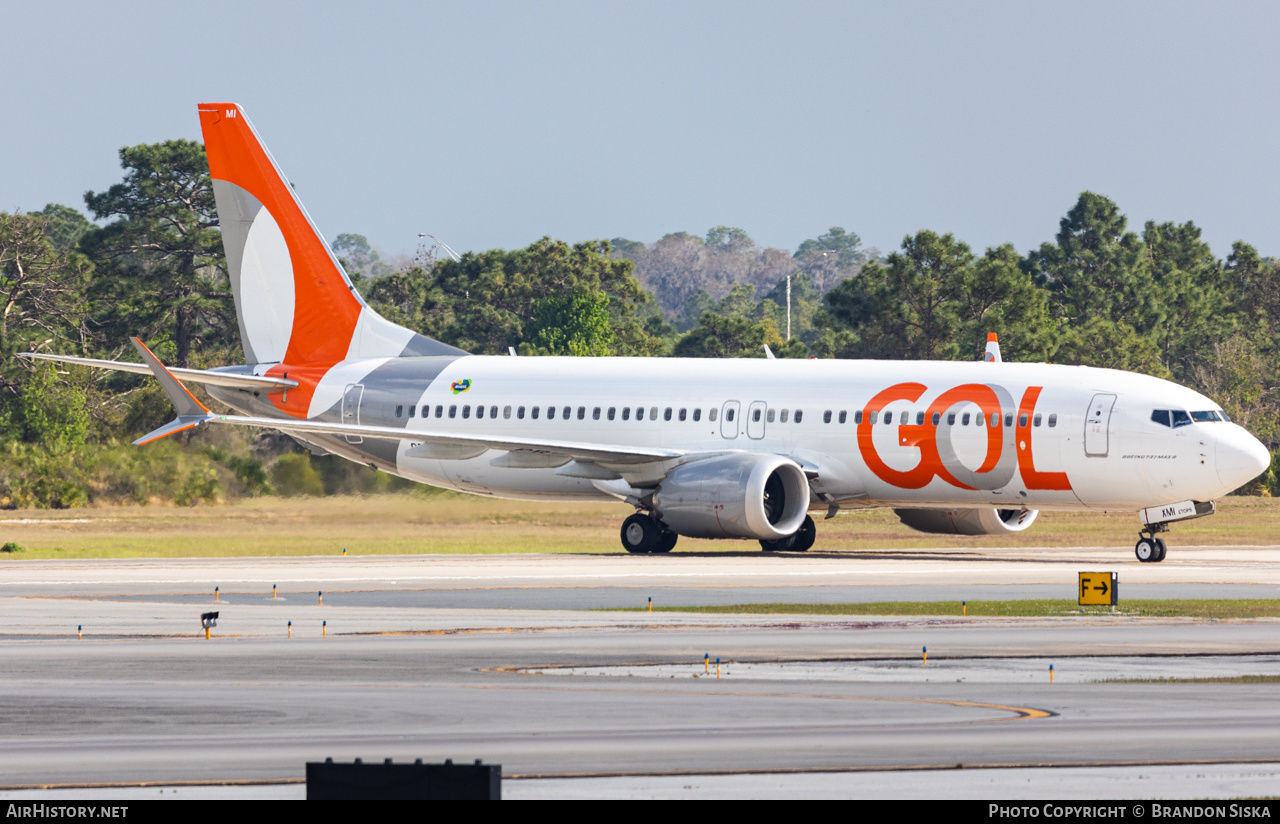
{"x":330,"y":781}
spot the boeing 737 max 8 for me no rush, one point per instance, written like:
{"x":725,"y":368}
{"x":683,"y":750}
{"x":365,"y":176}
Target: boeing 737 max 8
{"x":704,"y":448}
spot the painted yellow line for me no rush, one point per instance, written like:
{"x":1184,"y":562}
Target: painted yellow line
{"x":1016,"y":712}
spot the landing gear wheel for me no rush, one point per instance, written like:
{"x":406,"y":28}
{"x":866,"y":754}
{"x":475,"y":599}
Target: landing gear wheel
{"x":668,"y":541}
{"x":780,"y":545}
{"x":798,"y":541}
{"x":1146,"y":550}
{"x":1161,"y":549}
{"x":641,"y":534}
{"x":805,"y":535}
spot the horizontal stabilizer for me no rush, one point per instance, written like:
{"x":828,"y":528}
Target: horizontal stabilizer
{"x":190,"y":411}
{"x":174,"y":426}
{"x":210,"y":377}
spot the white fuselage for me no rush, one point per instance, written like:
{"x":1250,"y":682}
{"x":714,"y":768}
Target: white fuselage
{"x":1064,"y":437}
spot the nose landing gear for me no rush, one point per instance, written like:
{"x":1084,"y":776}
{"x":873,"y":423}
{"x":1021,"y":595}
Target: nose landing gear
{"x":1150,"y":549}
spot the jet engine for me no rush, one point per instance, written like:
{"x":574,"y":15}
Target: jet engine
{"x":968,"y":521}
{"x":743,"y":495}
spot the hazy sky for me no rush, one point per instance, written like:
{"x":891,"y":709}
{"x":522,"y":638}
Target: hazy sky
{"x":492,"y":124}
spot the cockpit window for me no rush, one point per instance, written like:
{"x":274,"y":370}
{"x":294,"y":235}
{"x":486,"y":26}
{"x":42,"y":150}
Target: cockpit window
{"x":1161,"y":416}
{"x":1180,"y":418}
{"x":1205,"y":417}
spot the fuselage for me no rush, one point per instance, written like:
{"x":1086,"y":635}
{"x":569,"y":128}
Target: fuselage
{"x":869,"y":433}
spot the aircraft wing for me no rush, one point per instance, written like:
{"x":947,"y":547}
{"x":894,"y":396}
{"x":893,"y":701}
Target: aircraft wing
{"x":571,"y":449}
{"x":209,"y":376}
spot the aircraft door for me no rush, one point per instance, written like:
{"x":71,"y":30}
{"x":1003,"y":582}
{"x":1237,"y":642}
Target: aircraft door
{"x":755,"y":420}
{"x":729,"y":419}
{"x":1097,"y":425}
{"x":351,"y":409}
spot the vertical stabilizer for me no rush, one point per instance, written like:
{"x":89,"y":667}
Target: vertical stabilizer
{"x":294,"y":303}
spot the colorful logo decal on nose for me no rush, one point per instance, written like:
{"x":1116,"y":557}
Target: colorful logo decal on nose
{"x":460,"y":386}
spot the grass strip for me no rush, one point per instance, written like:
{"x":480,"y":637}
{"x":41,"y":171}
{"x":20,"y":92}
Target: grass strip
{"x":1026,"y":608}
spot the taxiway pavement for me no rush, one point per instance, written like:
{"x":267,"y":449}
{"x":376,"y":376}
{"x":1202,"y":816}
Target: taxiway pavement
{"x":398,"y":674}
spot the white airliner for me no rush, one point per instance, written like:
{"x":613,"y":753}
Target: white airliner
{"x":704,"y":448}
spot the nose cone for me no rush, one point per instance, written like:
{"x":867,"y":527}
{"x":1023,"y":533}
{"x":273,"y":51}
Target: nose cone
{"x":1240,"y":457}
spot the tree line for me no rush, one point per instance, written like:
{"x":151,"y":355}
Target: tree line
{"x":150,"y":263}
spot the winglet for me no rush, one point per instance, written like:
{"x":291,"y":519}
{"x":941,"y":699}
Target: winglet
{"x":993,"y":349}
{"x":190,"y":411}
{"x":768,"y":353}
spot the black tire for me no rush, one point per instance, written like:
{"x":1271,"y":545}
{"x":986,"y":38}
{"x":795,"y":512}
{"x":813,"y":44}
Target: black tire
{"x":641,"y":534}
{"x":1161,"y":551}
{"x":780,"y":545}
{"x":1145,"y":549}
{"x":668,"y":541}
{"x":805,"y":536}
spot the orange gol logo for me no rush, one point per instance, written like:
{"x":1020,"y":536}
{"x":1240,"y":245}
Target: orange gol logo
{"x":1008,"y":447}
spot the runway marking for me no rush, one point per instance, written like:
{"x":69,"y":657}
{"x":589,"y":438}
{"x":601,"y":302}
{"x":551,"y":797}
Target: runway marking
{"x":1019,"y":712}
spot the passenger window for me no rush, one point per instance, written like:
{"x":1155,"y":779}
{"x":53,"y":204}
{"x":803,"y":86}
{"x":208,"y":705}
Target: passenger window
{"x":826,"y":416}
{"x":466,"y":411}
{"x":937,"y":417}
{"x":844,"y":416}
{"x":520,"y":412}
{"x":412,"y":410}
{"x":439,"y":411}
{"x":1022,"y":420}
{"x":582,"y":413}
{"x":697,"y":415}
{"x":755,"y":415}
{"x":551,"y":413}
{"x":684,"y":413}
{"x":613,"y":410}
{"x":728,"y":414}
{"x":873,"y":416}
{"x":713,"y":412}
{"x":1053,"y":421}
{"x":919,"y":419}
{"x":493,"y":411}
{"x":857,"y":416}
{"x":426,"y":411}
{"x":1008,"y":419}
{"x":964,"y":420}
{"x":666,"y":414}
{"x":399,"y":410}
{"x":1180,"y":418}
{"x":626,"y":413}
{"x":905,"y":417}
{"x":951,"y":419}
{"x":566,"y":412}
{"x":453,"y":411}
{"x":888,"y":417}
{"x":595,"y":414}
{"x":783,"y":416}
{"x":479,"y":411}
{"x":995,"y":419}
{"x":799,"y":415}
{"x":1035,"y":421}
{"x":639,"y":413}
{"x":653,"y":413}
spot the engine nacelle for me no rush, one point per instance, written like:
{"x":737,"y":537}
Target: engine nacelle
{"x":968,"y":521}
{"x":743,"y":495}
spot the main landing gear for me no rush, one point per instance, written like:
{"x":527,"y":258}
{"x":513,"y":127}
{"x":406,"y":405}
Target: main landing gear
{"x":799,"y":541}
{"x":1150,"y":549}
{"x":643,"y":534}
